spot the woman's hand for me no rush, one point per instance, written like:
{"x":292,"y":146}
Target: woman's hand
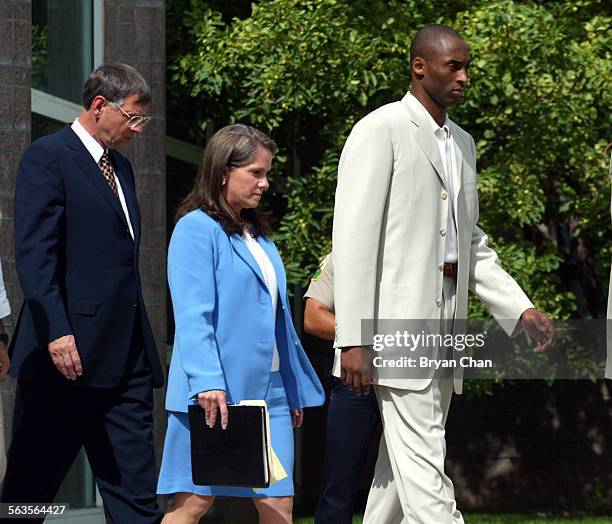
{"x":213,"y":401}
{"x":297,"y":417}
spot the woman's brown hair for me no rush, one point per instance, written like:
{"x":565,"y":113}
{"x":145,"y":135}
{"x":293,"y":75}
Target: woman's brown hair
{"x":231,"y":146}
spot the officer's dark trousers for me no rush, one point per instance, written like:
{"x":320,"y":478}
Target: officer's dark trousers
{"x":352,"y":421}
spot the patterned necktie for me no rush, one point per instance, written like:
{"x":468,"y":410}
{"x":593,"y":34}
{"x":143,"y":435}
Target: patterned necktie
{"x":108,"y":172}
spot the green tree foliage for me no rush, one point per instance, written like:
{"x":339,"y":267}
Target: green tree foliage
{"x":537,"y":105}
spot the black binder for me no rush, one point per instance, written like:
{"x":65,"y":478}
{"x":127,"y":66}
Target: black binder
{"x":236,"y":456}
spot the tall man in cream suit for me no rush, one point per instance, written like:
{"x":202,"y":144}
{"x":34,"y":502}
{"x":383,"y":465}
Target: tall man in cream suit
{"x":406,"y":246}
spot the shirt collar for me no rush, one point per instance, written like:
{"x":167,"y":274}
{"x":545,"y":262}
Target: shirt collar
{"x":90,"y":143}
{"x":435,"y":128}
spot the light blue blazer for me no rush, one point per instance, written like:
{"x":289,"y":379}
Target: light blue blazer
{"x":224,"y":326}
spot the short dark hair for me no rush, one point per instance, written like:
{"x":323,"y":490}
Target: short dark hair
{"x":231,"y":146}
{"x":427,"y":40}
{"x":115,"y":82}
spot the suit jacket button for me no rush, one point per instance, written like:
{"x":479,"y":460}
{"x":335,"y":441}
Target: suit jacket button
{"x":441,"y":266}
{"x":134,"y":303}
{"x":444,"y":195}
{"x":442,"y":232}
{"x":439,"y":302}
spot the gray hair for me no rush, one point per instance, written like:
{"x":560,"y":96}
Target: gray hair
{"x":115,"y":82}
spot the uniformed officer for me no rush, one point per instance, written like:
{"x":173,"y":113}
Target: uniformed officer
{"x":352,"y":419}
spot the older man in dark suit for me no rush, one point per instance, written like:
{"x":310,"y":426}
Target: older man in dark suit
{"x":83,"y":350}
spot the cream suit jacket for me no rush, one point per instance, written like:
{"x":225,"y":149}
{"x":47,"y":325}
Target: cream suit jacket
{"x":388,"y":241}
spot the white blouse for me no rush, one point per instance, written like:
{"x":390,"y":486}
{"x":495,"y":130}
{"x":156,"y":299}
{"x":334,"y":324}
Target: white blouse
{"x":267,"y":270}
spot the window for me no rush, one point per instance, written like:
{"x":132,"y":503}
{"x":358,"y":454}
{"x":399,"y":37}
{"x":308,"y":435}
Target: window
{"x":62,"y":46}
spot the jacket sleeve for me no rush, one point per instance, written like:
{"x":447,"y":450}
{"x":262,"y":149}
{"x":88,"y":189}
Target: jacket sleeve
{"x":191,"y":276}
{"x":364,"y":175}
{"x":39,"y":214}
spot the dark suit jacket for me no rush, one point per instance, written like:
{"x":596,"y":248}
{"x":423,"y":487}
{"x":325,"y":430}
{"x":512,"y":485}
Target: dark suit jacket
{"x":77,"y":264}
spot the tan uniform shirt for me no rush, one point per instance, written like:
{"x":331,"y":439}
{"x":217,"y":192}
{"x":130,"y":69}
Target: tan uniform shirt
{"x":321,"y":286}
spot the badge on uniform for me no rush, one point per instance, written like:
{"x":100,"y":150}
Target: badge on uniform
{"x":319,"y":271}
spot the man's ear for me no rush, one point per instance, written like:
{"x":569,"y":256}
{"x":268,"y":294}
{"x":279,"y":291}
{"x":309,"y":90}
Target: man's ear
{"x":97,"y":104}
{"x":418,"y":66}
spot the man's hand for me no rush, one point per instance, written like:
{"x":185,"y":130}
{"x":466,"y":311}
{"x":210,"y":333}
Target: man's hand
{"x":352,"y":370}
{"x":540,"y":329}
{"x":5,"y":362}
{"x":213,"y":402}
{"x":65,"y":356}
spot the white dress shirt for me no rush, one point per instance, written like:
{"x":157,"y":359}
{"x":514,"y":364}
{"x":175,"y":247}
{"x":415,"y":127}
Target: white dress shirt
{"x":5,"y":307}
{"x":446,"y":146}
{"x":267,"y":270}
{"x":96,"y":151}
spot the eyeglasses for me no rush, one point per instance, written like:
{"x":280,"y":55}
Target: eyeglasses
{"x":132,"y":120}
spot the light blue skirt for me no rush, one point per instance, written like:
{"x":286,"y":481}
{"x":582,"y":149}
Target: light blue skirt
{"x":175,"y":474}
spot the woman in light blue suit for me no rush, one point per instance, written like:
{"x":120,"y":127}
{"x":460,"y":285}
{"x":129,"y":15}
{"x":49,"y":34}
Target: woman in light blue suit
{"x":234,"y":337}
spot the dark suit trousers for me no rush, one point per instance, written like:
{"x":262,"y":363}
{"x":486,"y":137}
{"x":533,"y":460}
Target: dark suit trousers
{"x":352,"y":421}
{"x":115,"y":425}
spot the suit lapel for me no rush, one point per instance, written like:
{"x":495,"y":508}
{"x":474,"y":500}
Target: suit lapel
{"x":129,"y":193}
{"x":92,"y":170}
{"x":88,"y":165}
{"x":243,"y":252}
{"x":424,"y":137}
{"x":270,"y":250}
{"x":457,"y":158}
